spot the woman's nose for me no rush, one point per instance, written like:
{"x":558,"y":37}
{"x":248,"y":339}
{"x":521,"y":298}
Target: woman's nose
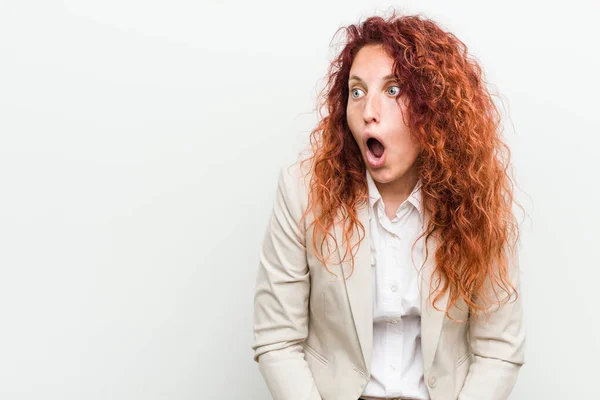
{"x":371,"y":110}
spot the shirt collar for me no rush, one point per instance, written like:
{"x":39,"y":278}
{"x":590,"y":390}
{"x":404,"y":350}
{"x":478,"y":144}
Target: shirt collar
{"x":415,"y":197}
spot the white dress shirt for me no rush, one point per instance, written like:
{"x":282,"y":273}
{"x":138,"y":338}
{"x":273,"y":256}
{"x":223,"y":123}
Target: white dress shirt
{"x":397,"y":363}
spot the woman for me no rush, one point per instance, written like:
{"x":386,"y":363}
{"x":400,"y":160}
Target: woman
{"x":388,"y":266}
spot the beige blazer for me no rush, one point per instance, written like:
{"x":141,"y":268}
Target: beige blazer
{"x":313,"y":333}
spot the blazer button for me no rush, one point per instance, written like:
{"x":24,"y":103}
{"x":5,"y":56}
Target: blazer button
{"x":431,"y":381}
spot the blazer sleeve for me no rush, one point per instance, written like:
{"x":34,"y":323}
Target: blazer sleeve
{"x":281,"y":299}
{"x":498,"y":346}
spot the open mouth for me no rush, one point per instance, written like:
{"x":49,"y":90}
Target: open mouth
{"x":375,"y":147}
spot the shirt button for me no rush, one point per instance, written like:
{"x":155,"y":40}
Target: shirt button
{"x":432,"y":380}
{"x":394,"y":321}
{"x":393,"y":366}
{"x":394,"y":288}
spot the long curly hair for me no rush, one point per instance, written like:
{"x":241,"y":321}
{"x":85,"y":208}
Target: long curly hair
{"x":464,"y":165}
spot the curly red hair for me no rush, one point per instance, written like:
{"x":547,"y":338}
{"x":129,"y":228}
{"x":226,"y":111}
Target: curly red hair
{"x":466,"y":188}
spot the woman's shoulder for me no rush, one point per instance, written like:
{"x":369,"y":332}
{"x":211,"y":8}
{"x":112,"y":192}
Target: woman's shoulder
{"x":294,"y":180}
{"x":295,"y":175}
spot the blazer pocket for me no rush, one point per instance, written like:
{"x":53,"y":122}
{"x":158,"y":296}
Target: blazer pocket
{"x":309,"y":350}
{"x":462,"y":359}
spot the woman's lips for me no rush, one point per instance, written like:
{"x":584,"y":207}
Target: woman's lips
{"x":373,"y":161}
{"x":375,"y":146}
{"x":371,"y":135}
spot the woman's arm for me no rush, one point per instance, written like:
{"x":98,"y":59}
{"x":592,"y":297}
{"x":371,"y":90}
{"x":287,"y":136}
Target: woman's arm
{"x":498,"y":345}
{"x":281,"y":299}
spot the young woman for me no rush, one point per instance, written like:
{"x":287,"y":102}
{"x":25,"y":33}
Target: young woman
{"x":388,"y":268}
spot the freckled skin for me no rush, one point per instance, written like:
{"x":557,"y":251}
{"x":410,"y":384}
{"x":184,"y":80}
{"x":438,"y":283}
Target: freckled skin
{"x":372,"y":106}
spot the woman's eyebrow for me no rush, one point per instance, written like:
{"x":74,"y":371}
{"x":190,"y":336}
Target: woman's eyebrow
{"x":356,"y":78}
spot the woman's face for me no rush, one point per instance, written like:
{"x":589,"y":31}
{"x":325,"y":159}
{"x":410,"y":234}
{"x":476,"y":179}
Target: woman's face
{"x":374,"y":111}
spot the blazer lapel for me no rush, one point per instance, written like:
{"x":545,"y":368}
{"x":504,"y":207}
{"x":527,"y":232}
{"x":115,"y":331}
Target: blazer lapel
{"x":360,"y":292}
{"x":431,"y":319}
{"x":359,"y":285}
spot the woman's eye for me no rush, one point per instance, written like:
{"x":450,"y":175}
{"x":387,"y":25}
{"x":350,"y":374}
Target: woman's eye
{"x":397,"y":90}
{"x":353,"y":91}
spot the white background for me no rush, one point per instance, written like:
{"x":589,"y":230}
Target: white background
{"x":140,"y":143}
